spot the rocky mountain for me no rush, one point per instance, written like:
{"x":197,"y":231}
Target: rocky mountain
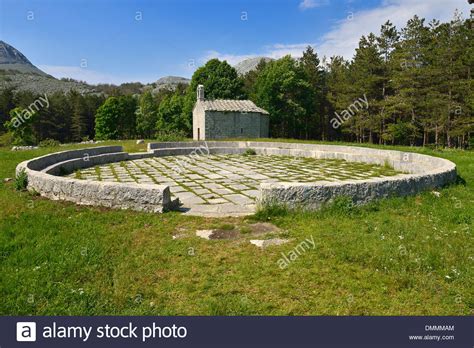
{"x":13,"y":60}
{"x":170,"y":83}
{"x":17,"y":72}
{"x":250,"y":64}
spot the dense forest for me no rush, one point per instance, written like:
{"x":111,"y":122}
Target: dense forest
{"x":409,"y":86}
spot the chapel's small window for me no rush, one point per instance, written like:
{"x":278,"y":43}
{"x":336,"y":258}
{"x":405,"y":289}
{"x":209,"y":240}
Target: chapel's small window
{"x":241,"y":131}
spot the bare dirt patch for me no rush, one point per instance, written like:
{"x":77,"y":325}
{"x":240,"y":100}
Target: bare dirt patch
{"x":231,"y":232}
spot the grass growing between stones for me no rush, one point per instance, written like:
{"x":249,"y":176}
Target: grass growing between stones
{"x":114,"y":173}
{"x":276,"y":168}
{"x":402,"y":256}
{"x":98,"y":173}
{"x":77,"y":174}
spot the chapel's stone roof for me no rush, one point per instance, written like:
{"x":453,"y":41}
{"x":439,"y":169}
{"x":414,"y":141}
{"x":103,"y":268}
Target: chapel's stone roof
{"x":231,"y":105}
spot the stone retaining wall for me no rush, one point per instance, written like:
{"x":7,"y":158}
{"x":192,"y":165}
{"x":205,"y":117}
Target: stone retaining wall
{"x":42,"y":178}
{"x":422,"y":172}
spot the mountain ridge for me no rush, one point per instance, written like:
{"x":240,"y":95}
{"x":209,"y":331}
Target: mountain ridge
{"x":18,"y":73}
{"x":250,"y":64}
{"x":14,"y":60}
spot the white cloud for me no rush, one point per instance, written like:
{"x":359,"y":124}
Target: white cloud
{"x":307,"y":4}
{"x":344,"y":36}
{"x":81,"y":74}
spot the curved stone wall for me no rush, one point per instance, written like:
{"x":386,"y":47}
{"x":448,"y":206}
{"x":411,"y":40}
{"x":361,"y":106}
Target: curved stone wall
{"x":422,"y":172}
{"x":42,"y":178}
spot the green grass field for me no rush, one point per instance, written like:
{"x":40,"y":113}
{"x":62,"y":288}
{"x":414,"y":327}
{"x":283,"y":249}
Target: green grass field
{"x":402,"y":256}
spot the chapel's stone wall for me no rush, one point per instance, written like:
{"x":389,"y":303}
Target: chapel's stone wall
{"x":199,"y":124}
{"x":220,"y":125}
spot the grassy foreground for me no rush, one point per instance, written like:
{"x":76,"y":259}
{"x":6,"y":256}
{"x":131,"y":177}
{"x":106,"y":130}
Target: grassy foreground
{"x":402,"y":256}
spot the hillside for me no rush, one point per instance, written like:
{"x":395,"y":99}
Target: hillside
{"x":12,"y":60}
{"x":250,"y":64}
{"x":170,"y":83}
{"x":18,"y":73}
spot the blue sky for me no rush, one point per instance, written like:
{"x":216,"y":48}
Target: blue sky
{"x":114,"y":41}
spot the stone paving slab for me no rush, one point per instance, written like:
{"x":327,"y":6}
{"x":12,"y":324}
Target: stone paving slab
{"x":223,"y":184}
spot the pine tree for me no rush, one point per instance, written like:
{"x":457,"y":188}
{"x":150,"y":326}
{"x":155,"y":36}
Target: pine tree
{"x":55,"y":121}
{"x":387,"y":42}
{"x":409,"y":81}
{"x":80,"y":116}
{"x":367,"y":76}
{"x":338,"y":93}
{"x":314,"y":117}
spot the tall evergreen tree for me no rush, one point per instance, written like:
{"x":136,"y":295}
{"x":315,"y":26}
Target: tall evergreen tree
{"x":338,"y":91}
{"x":409,"y":80}
{"x":367,"y":81}
{"x":387,"y":41}
{"x":80,"y":116}
{"x":314,"y":117}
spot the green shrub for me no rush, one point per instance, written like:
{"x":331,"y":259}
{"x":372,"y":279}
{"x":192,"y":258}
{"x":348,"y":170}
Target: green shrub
{"x":22,"y":131}
{"x":6,"y":139}
{"x":21,"y":180}
{"x":341,"y":205}
{"x":48,"y":143}
{"x":250,"y":152}
{"x":226,"y":227}
{"x":245,"y":230}
{"x":431,"y":146}
{"x":387,"y":164}
{"x":273,"y":210}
